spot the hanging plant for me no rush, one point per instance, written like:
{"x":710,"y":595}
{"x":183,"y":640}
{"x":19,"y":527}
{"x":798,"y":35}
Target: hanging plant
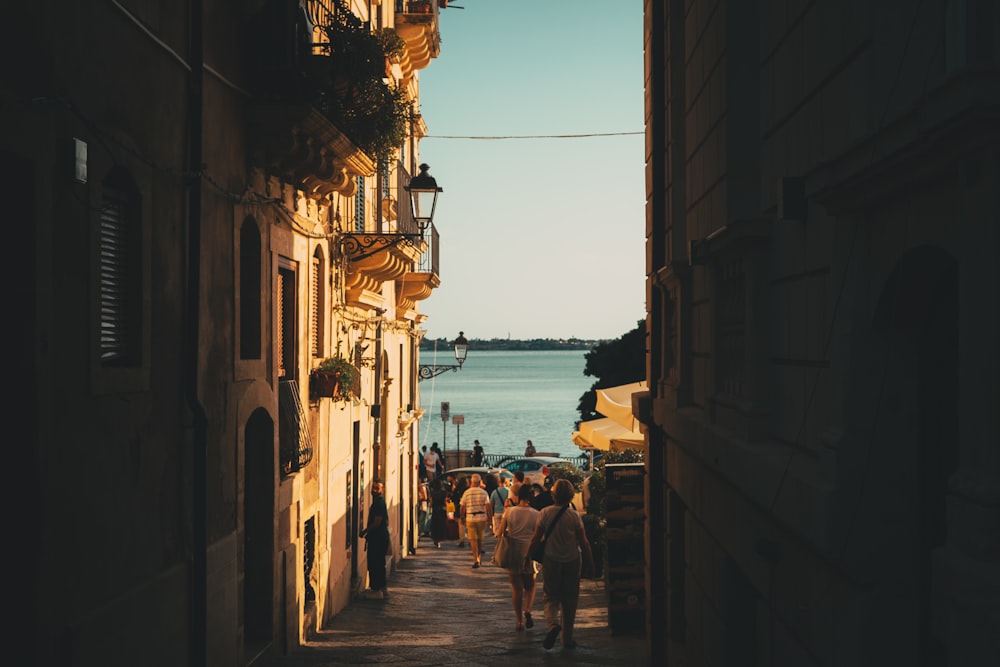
{"x":392,"y":44}
{"x":333,"y":378}
{"x":353,"y":90}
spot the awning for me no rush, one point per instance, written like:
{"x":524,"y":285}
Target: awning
{"x":616,"y":403}
{"x":608,"y":435}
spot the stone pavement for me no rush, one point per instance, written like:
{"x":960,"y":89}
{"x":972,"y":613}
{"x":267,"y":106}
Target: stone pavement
{"x":442,"y":612}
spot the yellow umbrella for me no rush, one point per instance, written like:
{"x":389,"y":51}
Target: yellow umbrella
{"x":616,"y":403}
{"x":607,"y":434}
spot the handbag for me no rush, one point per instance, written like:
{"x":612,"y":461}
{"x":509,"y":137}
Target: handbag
{"x":501,"y":553}
{"x":537,"y":550}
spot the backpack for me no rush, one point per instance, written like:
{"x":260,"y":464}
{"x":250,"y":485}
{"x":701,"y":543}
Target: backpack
{"x":502,"y":497}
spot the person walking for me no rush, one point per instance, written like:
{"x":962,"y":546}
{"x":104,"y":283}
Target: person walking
{"x":423,"y":509}
{"x":519,"y":522}
{"x":439,"y":513}
{"x":529,"y":449}
{"x":514,"y":486}
{"x":376,"y":535}
{"x":543,"y":495}
{"x":477,"y":454}
{"x":567,"y":556}
{"x":499,"y":495}
{"x":421,"y":468}
{"x":432,"y":463}
{"x":439,"y":466}
{"x":457,"y":491}
{"x":477,"y":513}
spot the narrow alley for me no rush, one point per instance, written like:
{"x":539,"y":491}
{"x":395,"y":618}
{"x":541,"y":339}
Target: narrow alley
{"x":442,"y":612}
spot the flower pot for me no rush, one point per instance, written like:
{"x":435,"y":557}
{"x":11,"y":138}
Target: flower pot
{"x":325,"y":384}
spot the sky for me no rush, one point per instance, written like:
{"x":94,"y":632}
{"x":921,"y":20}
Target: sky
{"x":540,"y":237}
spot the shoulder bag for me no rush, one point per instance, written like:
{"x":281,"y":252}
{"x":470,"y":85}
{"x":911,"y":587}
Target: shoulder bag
{"x":501,"y":553}
{"x":537,"y":550}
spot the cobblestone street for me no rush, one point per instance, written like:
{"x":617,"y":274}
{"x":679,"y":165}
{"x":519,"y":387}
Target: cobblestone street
{"x":442,"y":612}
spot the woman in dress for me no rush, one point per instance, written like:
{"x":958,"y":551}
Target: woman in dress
{"x":567,"y":552}
{"x":519,"y":524}
{"x":439,"y":512}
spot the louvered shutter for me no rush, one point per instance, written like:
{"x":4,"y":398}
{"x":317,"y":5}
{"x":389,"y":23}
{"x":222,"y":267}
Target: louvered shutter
{"x":315,"y":329}
{"x":119,"y":280}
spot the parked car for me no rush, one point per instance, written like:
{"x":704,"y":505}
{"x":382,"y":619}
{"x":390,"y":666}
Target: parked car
{"x":585,"y":462}
{"x":535,"y":468}
{"x":482,"y":471}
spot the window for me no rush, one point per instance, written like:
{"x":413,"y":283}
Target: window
{"x":286,"y":330}
{"x":349,"y":512}
{"x":250,"y":290}
{"x":120,"y":272}
{"x":316,"y":305}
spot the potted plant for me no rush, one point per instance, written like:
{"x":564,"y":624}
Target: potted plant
{"x":333,"y":378}
{"x":392,"y":44}
{"x":352,"y":89}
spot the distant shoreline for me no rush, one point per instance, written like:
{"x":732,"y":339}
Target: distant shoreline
{"x":541,"y":344}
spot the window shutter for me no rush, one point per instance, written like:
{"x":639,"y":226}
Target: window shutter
{"x":314,"y":309}
{"x":120,"y":280}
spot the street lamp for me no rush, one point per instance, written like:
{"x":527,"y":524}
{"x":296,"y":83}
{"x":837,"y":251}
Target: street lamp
{"x":461,"y":350}
{"x":423,"y":191}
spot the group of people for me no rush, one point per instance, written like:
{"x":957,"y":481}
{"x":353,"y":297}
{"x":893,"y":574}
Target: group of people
{"x":525,"y":518}
{"x":432,"y":464}
{"x":567,"y":557}
{"x":525,"y":514}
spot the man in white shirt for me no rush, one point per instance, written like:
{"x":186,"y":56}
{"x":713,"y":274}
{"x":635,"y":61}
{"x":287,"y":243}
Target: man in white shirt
{"x":431,"y":460}
{"x":477,"y":511}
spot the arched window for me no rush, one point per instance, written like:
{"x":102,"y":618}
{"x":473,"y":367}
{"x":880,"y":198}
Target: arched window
{"x":120,"y":272}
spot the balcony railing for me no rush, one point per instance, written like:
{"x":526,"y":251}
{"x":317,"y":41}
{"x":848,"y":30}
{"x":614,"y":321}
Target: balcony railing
{"x":295,"y":447}
{"x":429,"y":261}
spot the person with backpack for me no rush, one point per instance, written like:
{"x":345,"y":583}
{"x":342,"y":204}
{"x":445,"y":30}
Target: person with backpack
{"x":499,"y":495}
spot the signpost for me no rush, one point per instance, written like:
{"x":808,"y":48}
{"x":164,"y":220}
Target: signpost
{"x":445,"y":414}
{"x":458,"y":420}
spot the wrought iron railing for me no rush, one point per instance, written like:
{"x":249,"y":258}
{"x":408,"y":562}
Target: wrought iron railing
{"x":429,"y":261}
{"x":405,"y":224}
{"x":497,"y":460}
{"x":295,"y":447}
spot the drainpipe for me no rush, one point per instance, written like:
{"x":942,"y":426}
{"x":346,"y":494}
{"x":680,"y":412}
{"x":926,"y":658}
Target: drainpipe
{"x":199,"y":423}
{"x":380,"y":399}
{"x":659,"y":18}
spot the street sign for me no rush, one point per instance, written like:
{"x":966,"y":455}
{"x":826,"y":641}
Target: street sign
{"x":445,"y":410}
{"x":458,"y":419}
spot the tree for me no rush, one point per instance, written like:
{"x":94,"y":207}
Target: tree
{"x":615,"y":362}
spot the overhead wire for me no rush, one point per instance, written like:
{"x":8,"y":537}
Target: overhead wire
{"x":532,"y":136}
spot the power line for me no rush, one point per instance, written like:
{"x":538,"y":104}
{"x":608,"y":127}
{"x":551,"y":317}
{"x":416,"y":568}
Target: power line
{"x":534,"y":136}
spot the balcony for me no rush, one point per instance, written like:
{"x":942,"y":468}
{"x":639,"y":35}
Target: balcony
{"x":417,"y":23}
{"x":295,"y":442}
{"x":322,"y":110}
{"x":395,"y":251}
{"x":418,"y":285}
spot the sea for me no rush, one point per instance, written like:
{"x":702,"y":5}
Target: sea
{"x":506,"y":398}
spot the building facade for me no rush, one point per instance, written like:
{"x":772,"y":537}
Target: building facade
{"x":208,"y":209}
{"x":822,"y":236}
